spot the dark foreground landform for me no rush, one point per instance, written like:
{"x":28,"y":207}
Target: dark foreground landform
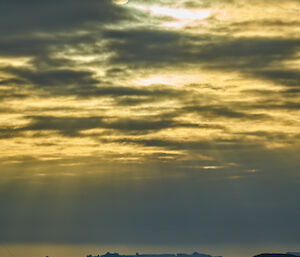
{"x":195,"y":254}
{"x":288,"y":254}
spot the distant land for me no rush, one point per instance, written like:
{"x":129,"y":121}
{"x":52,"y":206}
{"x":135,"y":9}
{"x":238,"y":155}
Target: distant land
{"x":288,"y":254}
{"x":195,"y":254}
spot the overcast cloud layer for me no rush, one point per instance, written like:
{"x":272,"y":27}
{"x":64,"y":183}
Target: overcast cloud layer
{"x":155,"y":122}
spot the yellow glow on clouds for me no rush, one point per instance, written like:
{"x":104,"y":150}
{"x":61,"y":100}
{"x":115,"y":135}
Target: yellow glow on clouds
{"x":120,"y":2}
{"x":14,"y":61}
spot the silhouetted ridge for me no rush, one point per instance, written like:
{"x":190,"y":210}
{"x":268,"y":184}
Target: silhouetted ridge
{"x":275,"y":255}
{"x":195,"y":254}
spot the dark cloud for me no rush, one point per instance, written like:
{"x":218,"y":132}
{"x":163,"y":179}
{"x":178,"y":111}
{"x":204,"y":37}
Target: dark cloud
{"x":39,"y":29}
{"x":55,"y":16}
{"x":71,"y":126}
{"x":11,"y":93}
{"x":248,"y":54}
{"x":139,"y":48}
{"x":225,"y":112}
{"x":195,"y":146}
{"x":159,"y":47}
{"x":286,"y":105}
{"x":55,"y":78}
{"x":288,"y":77}
{"x":256,"y":56}
{"x":266,"y":23}
{"x":83,"y":84}
{"x":66,"y":126}
{"x":146,"y":47}
{"x":274,"y":136}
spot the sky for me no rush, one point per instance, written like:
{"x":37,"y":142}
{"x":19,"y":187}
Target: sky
{"x":159,"y":125}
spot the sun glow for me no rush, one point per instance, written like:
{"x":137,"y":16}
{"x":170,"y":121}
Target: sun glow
{"x":120,"y":2}
{"x":180,"y":17}
{"x":165,"y":79}
{"x":180,"y":13}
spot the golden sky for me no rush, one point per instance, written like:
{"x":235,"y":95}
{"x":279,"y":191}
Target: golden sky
{"x":149,"y":95}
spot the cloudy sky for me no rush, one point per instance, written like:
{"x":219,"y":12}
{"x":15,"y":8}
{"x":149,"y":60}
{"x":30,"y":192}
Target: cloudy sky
{"x":157,"y":123}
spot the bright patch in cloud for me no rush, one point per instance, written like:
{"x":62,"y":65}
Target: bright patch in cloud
{"x":166,"y":79}
{"x":182,"y":17}
{"x":180,"y":13}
